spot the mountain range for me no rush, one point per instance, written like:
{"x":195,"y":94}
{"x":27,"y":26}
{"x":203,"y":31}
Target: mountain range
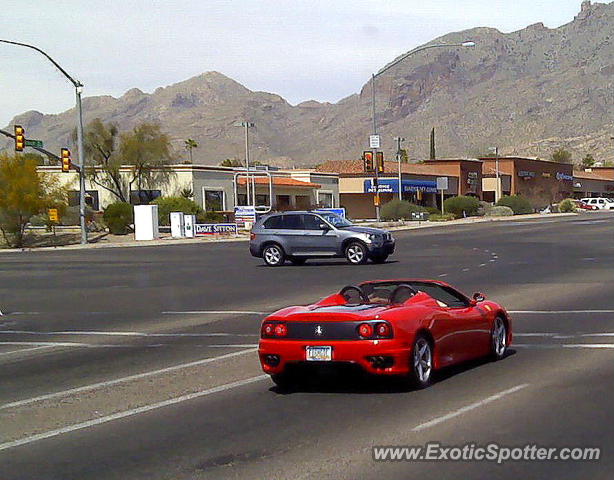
{"x":527,"y":92}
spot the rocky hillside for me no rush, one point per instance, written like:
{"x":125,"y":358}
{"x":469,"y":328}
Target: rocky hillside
{"x":528,"y":92}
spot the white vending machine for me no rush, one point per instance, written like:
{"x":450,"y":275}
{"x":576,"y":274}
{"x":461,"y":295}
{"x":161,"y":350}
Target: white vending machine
{"x":177,"y":225}
{"x":146,"y":222}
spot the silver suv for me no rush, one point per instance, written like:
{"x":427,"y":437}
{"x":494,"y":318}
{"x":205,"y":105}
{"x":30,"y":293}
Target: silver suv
{"x":297,"y":236}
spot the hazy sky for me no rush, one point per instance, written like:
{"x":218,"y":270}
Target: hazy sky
{"x":300,"y":49}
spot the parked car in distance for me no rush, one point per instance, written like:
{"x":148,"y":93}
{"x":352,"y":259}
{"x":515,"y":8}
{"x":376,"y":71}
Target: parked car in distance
{"x":300,"y":235}
{"x":602,"y":203}
{"x":585,"y":206}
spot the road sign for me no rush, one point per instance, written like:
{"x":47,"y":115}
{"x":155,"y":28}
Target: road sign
{"x":53,"y":215}
{"x":442,"y":183}
{"x":34,"y":143}
{"x":374,"y":141}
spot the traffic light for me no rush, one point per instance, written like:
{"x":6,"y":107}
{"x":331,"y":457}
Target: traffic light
{"x":367,"y":158}
{"x":380,"y":162}
{"x":66,"y":161}
{"x":20,"y":138}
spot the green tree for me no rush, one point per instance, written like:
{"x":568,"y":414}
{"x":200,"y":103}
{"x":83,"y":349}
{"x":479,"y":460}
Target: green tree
{"x":433,"y":153}
{"x":235,"y":162}
{"x":136,"y":159}
{"x":588,"y":161}
{"x":404,"y":155}
{"x":561,"y":155}
{"x":24,"y":193}
{"x":190,"y":145}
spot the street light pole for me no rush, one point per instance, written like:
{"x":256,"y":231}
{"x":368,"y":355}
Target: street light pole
{"x":382,"y":71}
{"x":247,"y":125}
{"x":78,"y":89}
{"x":497,"y":176}
{"x":399,"y":140}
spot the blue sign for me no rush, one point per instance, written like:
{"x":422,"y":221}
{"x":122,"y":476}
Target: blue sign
{"x":563,"y":176}
{"x":337,"y":211}
{"x":391,"y":185}
{"x":201,"y":229}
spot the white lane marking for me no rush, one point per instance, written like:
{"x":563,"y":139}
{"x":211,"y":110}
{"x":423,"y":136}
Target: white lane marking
{"x":465,"y":269}
{"x":125,"y":334}
{"x":492,"y":260}
{"x":213,"y":312}
{"x":129,"y":413}
{"x":245,"y":345}
{"x":443,"y":275}
{"x":596,"y":346}
{"x":468,"y":408}
{"x":12,"y":352}
{"x":604,"y":334}
{"x":62,"y":344}
{"x":129,"y":378}
{"x":482,"y":265}
{"x":558,"y":312}
{"x":589,"y":259}
{"x":535,"y":334}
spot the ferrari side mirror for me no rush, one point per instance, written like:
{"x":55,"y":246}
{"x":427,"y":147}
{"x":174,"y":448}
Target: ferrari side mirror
{"x":479,"y":297}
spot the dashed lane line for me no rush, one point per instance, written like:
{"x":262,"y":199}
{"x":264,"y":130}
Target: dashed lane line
{"x":129,"y":413}
{"x":129,"y":378}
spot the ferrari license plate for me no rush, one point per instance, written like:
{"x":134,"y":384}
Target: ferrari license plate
{"x":319,"y":354}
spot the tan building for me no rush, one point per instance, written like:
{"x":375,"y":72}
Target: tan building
{"x":594,"y":182}
{"x":542,"y":182}
{"x":418,"y":183}
{"x":220,"y":188}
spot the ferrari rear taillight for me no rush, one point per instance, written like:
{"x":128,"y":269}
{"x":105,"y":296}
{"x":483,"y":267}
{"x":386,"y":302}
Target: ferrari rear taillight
{"x":281,"y":330}
{"x":365,"y":330}
{"x":383,"y":330}
{"x":268,"y":330}
{"x":274,"y":329}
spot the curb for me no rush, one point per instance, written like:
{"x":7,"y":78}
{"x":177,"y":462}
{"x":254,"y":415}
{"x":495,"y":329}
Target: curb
{"x":170,"y":241}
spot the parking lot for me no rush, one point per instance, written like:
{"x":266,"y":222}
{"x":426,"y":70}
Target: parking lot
{"x":141,"y":362}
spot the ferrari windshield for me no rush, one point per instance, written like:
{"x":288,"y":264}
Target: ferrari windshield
{"x":335,"y":220}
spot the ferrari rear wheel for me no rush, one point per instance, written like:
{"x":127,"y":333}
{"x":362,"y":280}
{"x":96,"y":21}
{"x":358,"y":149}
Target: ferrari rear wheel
{"x":421,"y":365}
{"x":273,"y":255}
{"x":498,"y":339}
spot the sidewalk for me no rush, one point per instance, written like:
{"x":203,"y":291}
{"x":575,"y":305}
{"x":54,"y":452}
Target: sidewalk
{"x":115,"y":242}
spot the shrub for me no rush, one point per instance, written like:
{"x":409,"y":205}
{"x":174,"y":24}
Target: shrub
{"x":438,"y":217}
{"x":461,"y":206}
{"x":500,"y":211}
{"x":567,"y":205}
{"x":519,"y":204}
{"x":118,"y":217}
{"x":166,"y":205}
{"x":70,"y":216}
{"x":399,"y":210}
{"x":483,"y":208}
{"x":209,"y":217}
{"x":433,"y":210}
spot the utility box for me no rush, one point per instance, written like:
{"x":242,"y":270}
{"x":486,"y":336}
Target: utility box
{"x":146,"y":222}
{"x":188,"y":223}
{"x":177,"y":225}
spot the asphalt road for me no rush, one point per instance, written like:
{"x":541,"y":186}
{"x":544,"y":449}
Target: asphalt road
{"x":139,"y":363}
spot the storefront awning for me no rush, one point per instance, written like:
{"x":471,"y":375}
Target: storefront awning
{"x":391,"y":185}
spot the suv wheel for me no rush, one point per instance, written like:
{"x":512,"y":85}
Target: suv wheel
{"x":273,"y":255}
{"x":356,"y":253}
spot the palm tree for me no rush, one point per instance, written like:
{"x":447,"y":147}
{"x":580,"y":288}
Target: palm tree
{"x":189,"y":144}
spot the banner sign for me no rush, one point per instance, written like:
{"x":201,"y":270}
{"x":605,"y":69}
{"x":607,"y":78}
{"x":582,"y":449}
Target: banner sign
{"x":389,"y":185}
{"x":201,"y":229}
{"x":563,"y":176}
{"x":337,"y":211}
{"x":245,"y":214}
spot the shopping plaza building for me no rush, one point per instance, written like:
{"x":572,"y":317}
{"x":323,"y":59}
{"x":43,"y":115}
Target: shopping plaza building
{"x":345,"y":184}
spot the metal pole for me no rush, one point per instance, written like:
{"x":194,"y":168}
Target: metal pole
{"x":498,"y":187}
{"x":376,"y":179}
{"x":399,"y":140}
{"x":246,"y":123}
{"x":442,"y":211}
{"x":81,"y":153}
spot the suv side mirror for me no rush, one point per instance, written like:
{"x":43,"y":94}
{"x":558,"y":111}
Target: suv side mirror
{"x":324,"y":226}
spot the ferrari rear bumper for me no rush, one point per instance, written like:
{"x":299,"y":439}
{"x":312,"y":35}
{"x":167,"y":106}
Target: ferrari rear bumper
{"x":378,"y":357}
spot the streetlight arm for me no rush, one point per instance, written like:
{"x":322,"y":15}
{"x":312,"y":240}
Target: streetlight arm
{"x":76,"y":83}
{"x":420,"y":49}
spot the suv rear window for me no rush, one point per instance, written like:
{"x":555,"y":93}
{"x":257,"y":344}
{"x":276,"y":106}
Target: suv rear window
{"x":273,"y":222}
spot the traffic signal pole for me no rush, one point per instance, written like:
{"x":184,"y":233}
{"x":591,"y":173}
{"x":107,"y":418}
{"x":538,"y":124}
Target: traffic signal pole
{"x":78,"y":88}
{"x":376,"y":178}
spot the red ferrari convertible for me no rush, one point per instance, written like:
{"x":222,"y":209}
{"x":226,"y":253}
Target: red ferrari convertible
{"x":390,"y":327}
